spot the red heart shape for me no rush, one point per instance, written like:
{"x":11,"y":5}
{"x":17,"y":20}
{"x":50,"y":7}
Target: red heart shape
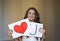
{"x":20,"y":28}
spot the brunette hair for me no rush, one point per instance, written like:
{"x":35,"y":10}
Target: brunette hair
{"x":37,"y":18}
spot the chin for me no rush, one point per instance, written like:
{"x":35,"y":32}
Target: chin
{"x":31,"y":19}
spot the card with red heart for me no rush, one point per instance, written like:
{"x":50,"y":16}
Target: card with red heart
{"x":25,"y":28}
{"x":19,"y":27}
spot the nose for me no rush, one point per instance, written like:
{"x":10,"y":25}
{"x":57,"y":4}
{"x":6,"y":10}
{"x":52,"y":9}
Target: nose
{"x":31,"y":14}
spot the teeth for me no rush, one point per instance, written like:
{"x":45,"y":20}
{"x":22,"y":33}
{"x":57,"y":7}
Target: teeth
{"x":31,"y":17}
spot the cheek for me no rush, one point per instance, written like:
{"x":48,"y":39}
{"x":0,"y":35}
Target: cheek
{"x":28,"y":15}
{"x":34,"y":16}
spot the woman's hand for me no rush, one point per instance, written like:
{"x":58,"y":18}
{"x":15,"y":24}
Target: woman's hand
{"x":10,"y":32}
{"x":42,"y":31}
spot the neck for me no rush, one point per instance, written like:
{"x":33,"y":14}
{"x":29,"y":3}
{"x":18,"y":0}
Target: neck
{"x":31,"y":20}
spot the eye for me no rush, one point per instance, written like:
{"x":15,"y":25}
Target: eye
{"x":34,"y":13}
{"x":29,"y":12}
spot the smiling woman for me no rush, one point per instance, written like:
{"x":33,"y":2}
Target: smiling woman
{"x":33,"y":16}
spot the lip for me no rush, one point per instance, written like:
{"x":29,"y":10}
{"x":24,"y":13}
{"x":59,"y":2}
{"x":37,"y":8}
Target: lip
{"x":30,"y":17}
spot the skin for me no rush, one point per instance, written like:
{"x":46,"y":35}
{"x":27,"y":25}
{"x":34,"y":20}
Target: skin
{"x":31,"y":17}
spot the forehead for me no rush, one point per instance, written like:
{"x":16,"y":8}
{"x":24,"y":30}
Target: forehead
{"x":31,"y":10}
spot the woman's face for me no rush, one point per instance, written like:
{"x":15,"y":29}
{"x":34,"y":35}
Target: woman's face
{"x":31,"y":15}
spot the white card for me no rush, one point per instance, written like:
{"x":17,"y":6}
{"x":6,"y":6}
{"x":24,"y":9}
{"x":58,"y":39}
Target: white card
{"x":25,"y":28}
{"x":13,"y":25}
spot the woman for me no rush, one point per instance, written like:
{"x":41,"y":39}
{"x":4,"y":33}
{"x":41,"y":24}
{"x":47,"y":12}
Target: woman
{"x":33,"y":16}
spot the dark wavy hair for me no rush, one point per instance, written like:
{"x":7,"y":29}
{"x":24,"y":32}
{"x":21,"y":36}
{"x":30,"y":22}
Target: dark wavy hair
{"x":37,"y":18}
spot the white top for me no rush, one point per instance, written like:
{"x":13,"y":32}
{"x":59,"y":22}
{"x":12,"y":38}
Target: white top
{"x":30,"y":39}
